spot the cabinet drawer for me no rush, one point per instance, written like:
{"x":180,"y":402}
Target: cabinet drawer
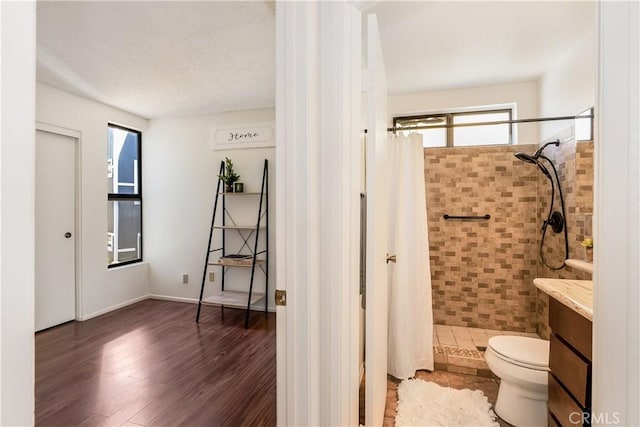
{"x":564,"y":409}
{"x":570,"y":369}
{"x":571,"y":326}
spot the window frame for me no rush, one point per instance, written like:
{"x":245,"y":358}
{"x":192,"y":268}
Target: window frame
{"x":115,"y":197}
{"x":450,"y":143}
{"x":584,"y":115}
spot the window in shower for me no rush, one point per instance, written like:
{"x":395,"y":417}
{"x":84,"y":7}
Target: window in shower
{"x":584,"y":125}
{"x":437,"y":131}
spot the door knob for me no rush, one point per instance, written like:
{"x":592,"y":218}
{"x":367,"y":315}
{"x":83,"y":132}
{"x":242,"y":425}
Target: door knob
{"x":391,"y":258}
{"x":67,"y":235}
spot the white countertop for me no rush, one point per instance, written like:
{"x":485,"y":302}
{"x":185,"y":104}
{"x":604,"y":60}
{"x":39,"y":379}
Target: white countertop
{"x":575,"y":294}
{"x":580,"y":265}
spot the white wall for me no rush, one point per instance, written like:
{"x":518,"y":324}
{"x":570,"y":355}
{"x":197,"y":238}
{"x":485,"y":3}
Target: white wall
{"x":17,"y":166}
{"x":524,"y":94}
{"x":102,"y":288}
{"x":569,"y":87}
{"x":180,"y":177}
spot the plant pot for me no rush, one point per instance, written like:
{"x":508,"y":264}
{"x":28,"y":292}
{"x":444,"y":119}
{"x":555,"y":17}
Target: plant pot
{"x":228,"y":188}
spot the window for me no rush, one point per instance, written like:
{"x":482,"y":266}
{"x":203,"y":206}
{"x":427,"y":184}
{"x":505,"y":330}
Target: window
{"x":584,"y":125}
{"x":124,"y":229}
{"x":461,"y":136}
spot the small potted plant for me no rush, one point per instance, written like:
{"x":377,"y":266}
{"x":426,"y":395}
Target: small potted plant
{"x":587,"y":244}
{"x":228,"y":176}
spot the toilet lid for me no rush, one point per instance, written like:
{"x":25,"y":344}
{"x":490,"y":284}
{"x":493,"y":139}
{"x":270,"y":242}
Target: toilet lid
{"x":530,"y":351}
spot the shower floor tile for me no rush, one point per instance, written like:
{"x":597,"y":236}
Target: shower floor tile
{"x":461,"y":350}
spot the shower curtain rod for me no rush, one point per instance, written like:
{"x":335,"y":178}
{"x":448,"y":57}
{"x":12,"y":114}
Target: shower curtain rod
{"x":501,"y":122}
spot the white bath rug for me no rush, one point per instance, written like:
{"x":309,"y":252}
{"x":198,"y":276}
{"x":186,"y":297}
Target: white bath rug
{"x":426,"y":404}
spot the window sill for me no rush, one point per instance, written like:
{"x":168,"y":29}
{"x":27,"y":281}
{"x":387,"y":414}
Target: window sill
{"x":127,"y":266}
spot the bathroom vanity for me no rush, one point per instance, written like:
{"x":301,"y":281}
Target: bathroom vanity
{"x":570,"y":320}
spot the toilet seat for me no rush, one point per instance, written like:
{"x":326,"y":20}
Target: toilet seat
{"x":530,"y":353}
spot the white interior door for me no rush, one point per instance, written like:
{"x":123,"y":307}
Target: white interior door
{"x":377,"y":231}
{"x":55,"y":229}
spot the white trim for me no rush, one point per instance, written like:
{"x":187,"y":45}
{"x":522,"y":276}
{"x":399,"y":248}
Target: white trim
{"x":77,"y":220}
{"x":172,"y":298}
{"x":195,"y":301}
{"x":17,"y":213}
{"x":284,"y":68}
{"x":616,"y":325}
{"x":59,"y":130}
{"x":317,"y":187}
{"x":113,"y":307}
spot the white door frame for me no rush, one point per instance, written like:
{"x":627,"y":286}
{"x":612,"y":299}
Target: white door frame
{"x":318,"y":97}
{"x":377,"y":239}
{"x":616,"y":293}
{"x":77,"y":136}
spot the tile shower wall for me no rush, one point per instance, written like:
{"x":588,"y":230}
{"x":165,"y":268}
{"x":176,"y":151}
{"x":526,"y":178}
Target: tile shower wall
{"x":574,"y":162}
{"x":483,"y":271}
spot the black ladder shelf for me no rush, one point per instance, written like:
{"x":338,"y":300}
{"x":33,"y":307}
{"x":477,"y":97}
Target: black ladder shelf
{"x":246,"y":256}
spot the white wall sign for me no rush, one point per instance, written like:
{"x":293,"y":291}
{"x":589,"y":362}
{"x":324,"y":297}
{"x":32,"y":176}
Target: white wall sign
{"x":252,"y":136}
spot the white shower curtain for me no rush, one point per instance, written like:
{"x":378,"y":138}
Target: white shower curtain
{"x":410,"y":334}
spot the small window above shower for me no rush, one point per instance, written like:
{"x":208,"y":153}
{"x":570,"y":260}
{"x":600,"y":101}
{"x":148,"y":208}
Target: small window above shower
{"x":461,"y":128}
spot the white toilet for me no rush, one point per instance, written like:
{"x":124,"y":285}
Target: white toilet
{"x":522,"y":365}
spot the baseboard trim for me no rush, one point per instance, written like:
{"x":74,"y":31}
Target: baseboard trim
{"x":172,"y":298}
{"x":195,"y":301}
{"x":152,"y":296}
{"x":112,"y":308}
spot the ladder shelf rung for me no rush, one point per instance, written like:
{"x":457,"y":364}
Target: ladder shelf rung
{"x":237,"y":263}
{"x":237,"y":227}
{"x":239,"y":194}
{"x":233,"y":298}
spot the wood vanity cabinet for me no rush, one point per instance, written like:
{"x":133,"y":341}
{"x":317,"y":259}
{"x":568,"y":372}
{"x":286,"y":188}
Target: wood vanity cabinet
{"x":570,"y":367}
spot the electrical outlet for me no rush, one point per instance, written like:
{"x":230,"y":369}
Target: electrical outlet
{"x":185,"y":278}
{"x":212,"y":276}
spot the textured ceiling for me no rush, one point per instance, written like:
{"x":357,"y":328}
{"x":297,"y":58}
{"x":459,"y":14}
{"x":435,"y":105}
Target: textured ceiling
{"x":456,"y":44}
{"x":159,"y":59}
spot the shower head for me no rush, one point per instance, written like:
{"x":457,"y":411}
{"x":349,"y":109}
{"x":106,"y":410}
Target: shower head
{"x":534,"y":158}
{"x":527,"y":158}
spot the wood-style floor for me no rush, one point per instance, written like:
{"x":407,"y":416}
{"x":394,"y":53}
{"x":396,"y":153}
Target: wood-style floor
{"x":151,"y":364}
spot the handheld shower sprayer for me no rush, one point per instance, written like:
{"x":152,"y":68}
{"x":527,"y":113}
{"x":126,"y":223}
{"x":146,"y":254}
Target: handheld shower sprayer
{"x":554,"y":219}
{"x":539,"y":151}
